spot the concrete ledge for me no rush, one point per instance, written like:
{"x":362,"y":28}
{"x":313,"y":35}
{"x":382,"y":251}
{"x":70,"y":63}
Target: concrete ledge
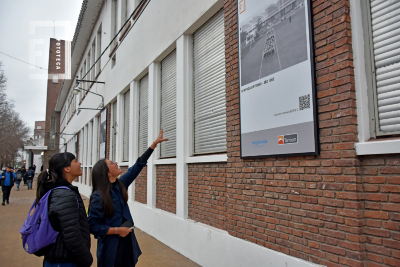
{"x":206,"y":245}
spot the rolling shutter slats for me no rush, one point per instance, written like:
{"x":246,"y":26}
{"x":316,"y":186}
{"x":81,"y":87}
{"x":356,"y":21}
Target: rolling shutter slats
{"x":143,"y":113}
{"x":114,"y":130}
{"x":386,"y":38}
{"x":125,"y":148}
{"x":168,"y":104}
{"x":209,"y":87}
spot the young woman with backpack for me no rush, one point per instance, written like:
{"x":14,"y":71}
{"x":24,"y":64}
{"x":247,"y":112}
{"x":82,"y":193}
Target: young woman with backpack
{"x":110,"y":220}
{"x":66,"y":214}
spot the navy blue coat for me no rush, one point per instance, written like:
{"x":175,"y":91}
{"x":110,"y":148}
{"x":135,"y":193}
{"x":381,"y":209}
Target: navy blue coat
{"x":99,"y":223}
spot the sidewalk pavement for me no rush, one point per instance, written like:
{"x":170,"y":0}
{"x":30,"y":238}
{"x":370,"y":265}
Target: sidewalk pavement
{"x":13,"y":215}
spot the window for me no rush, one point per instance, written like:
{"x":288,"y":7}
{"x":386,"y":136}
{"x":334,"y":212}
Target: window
{"x":143,"y":113}
{"x":39,"y":127}
{"x":90,"y":151}
{"x":81,"y":85}
{"x":40,"y":136}
{"x":125,"y":149}
{"x":52,"y":144}
{"x":84,"y":77}
{"x":124,"y":11}
{"x":98,"y":50}
{"x":381,"y":21}
{"x":55,"y":78}
{"x":87,"y":71}
{"x":114,"y":19}
{"x":168,"y":105}
{"x":93,"y":52}
{"x":114,"y":130}
{"x":209,"y":87}
{"x":113,"y":61}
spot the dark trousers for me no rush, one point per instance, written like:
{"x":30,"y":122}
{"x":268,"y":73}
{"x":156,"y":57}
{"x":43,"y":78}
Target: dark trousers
{"x":6,"y":192}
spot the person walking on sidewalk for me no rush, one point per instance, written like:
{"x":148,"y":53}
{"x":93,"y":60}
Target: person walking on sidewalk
{"x":7,"y":182}
{"x":23,"y":170}
{"x":66,"y":212}
{"x":18,"y":178}
{"x":30,"y":174}
{"x":110,"y":220}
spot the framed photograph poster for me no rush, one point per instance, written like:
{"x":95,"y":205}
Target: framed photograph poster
{"x":277,"y":81}
{"x":103,"y":134}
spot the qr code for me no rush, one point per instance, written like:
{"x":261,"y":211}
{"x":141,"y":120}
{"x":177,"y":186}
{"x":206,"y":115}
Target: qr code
{"x":304,"y":102}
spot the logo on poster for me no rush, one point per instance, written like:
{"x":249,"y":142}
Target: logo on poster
{"x":287,"y":139}
{"x":242,"y":6}
{"x":259,"y":143}
{"x":281,"y":140}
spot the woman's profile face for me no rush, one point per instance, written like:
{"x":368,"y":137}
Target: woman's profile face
{"x":113,"y":170}
{"x":75,"y":168}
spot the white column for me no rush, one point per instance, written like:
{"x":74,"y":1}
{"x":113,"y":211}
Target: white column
{"x":133,"y":131}
{"x":153,"y":128}
{"x":184,"y":120}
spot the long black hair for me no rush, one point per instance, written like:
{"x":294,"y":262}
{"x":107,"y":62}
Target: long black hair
{"x":101,"y":183}
{"x":54,"y":174}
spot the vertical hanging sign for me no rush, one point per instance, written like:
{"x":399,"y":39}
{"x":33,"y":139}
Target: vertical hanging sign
{"x":277,"y":82}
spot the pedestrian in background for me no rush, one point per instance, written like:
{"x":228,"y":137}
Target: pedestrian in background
{"x":66,"y":213}
{"x":7,"y":182}
{"x":23,"y":170}
{"x":34,"y":169}
{"x":110,"y":220}
{"x":18,"y":178}
{"x":29,"y":177}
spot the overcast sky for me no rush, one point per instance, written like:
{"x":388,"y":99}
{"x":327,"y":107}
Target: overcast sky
{"x":29,"y":94}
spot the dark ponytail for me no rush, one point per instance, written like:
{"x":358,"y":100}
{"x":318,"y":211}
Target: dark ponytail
{"x":101,"y":183}
{"x":54,"y":174}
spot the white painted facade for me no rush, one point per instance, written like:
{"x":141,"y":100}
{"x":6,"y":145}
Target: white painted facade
{"x":162,"y":27}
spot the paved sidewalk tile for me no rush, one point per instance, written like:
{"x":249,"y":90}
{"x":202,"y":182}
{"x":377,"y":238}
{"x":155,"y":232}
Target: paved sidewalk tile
{"x":13,"y":215}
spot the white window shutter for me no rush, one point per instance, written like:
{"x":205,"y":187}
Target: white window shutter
{"x":114,"y":130}
{"x":125,"y":148}
{"x":209,"y":87}
{"x":168,"y":105}
{"x":385,"y":17}
{"x":143,"y":113}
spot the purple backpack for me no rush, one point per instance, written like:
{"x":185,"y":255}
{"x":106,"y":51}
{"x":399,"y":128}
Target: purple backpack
{"x":37,"y":232}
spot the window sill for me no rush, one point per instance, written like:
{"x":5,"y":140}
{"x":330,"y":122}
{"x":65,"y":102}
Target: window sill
{"x":378,"y":147}
{"x":165,"y":161}
{"x":208,"y":159}
{"x":123,"y":164}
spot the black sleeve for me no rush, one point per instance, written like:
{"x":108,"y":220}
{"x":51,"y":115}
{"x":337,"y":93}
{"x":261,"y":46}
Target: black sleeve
{"x":146,"y":155}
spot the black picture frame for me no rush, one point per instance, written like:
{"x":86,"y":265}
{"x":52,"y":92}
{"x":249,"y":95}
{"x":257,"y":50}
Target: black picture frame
{"x":311,"y":51}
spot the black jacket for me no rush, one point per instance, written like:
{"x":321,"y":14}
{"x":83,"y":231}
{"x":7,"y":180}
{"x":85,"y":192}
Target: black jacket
{"x":73,"y":242}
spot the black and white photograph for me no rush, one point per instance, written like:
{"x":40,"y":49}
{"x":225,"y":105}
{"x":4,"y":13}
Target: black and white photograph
{"x":272,"y":38}
{"x":103,"y":133}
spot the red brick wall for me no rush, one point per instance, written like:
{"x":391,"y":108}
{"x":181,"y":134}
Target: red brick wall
{"x":207,"y":194}
{"x":166,"y":188}
{"x":335,"y":209}
{"x":381,"y":194}
{"x":141,"y":187}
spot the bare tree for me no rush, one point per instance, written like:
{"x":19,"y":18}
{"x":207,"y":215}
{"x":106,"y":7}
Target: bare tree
{"x":13,"y":129}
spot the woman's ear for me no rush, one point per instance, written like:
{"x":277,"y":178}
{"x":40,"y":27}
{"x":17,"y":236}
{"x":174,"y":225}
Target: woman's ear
{"x":67,"y":169}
